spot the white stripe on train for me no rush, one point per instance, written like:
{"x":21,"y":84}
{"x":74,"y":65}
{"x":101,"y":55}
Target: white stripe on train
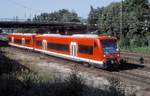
{"x":61,"y":55}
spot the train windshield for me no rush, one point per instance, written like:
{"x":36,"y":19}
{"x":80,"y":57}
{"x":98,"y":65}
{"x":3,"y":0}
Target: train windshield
{"x":109,"y":47}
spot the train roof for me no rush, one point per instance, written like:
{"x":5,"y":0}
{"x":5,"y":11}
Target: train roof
{"x":86,"y":35}
{"x":75,"y":36}
{"x":22,"y":34}
{"x":107,"y":37}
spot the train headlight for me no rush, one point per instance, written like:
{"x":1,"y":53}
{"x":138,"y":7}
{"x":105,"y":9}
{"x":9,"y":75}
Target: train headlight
{"x":118,"y":55}
{"x":104,"y":55}
{"x":112,"y":61}
{"x":117,"y":49}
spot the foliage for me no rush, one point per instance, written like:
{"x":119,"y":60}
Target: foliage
{"x":62,"y":15}
{"x":145,"y":50}
{"x":116,"y":87}
{"x":75,"y":84}
{"x":127,"y":20}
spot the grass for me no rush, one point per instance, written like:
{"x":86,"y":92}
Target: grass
{"x":145,"y":50}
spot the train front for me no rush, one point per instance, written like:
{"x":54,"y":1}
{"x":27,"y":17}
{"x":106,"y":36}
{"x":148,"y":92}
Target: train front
{"x":110,"y":50}
{"x":3,"y":39}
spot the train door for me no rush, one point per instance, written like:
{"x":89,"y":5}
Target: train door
{"x":23,"y":41}
{"x":12,"y":39}
{"x":73,"y":49}
{"x":44,"y":44}
{"x":33,"y":41}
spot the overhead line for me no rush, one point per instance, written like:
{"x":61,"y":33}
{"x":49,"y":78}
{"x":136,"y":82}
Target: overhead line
{"x":23,"y":6}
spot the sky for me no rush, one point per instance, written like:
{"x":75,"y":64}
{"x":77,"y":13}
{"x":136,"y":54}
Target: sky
{"x":28,"y":8}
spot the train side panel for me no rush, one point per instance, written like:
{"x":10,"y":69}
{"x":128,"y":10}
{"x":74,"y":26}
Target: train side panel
{"x":28,"y":41}
{"x":85,"y":47}
{"x":98,"y":52}
{"x":21,"y":40}
{"x":59,"y":44}
{"x":16,"y":39}
{"x":89,"y":50}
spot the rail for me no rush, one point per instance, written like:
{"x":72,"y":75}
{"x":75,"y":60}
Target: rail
{"x":137,"y":58}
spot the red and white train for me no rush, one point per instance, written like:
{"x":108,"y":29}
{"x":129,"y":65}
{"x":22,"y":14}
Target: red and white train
{"x":100,"y":51}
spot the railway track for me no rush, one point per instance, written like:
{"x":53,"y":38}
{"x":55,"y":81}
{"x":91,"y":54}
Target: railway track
{"x":128,"y":76}
{"x":137,"y":54}
{"x":135,"y":79}
{"x":137,"y":58}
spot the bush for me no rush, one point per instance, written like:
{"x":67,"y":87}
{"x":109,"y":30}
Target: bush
{"x":116,"y":87}
{"x":74,"y":84}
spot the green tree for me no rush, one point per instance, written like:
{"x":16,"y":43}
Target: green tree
{"x":129,"y":21}
{"x":58,"y":16}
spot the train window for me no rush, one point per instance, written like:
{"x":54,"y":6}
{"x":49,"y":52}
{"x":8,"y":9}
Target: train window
{"x":9,"y":39}
{"x":27,"y":41}
{"x":55,"y":46}
{"x":86,"y":49}
{"x":39,"y":43}
{"x":18,"y":41}
{"x":109,"y":46}
{"x":95,"y":44}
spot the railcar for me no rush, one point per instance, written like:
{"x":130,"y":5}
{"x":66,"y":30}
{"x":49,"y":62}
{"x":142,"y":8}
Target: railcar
{"x":22,"y":40}
{"x":99,"y":51}
{"x":3,"y":39}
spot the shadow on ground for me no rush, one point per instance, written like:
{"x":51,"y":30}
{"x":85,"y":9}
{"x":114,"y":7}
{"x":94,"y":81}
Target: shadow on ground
{"x":128,"y":66}
{"x":9,"y":66}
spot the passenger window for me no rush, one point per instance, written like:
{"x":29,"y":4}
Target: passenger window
{"x":18,"y":41}
{"x":60,"y":47}
{"x":27,"y":41}
{"x":95,"y":45}
{"x":9,"y":39}
{"x":86,"y":49}
{"x":39,"y":43}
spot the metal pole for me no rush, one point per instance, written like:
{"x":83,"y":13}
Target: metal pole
{"x":121,"y":24}
{"x":121,"y":20}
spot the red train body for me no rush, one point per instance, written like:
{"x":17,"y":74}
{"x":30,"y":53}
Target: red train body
{"x":100,"y":51}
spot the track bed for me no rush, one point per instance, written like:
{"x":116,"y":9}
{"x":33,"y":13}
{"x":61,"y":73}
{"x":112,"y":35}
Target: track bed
{"x":131,"y":74}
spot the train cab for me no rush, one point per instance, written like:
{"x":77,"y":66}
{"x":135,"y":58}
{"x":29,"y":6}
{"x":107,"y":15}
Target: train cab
{"x":99,"y":51}
{"x":110,"y":52}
